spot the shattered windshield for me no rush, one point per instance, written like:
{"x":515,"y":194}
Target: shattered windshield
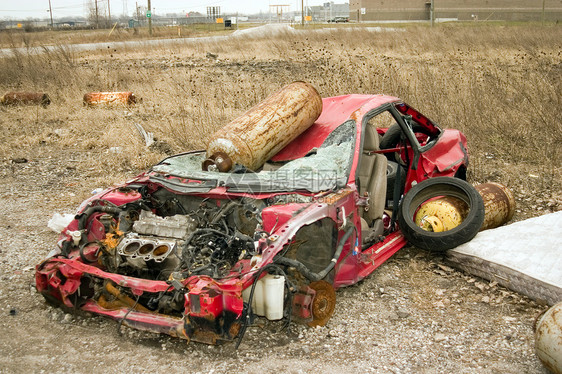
{"x":324,"y":168}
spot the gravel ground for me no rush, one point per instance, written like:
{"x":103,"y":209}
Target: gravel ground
{"x":414,"y":314}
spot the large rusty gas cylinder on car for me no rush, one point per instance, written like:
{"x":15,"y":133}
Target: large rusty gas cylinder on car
{"x":109,"y":98}
{"x":25,"y":98}
{"x":499,"y":204}
{"x":254,"y":137}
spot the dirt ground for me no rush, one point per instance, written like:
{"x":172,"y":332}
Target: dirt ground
{"x":414,"y":314}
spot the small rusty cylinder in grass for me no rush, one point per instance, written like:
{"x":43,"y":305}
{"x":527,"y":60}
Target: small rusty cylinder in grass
{"x":25,"y":98}
{"x":109,"y":98}
{"x":257,"y":135}
{"x":499,"y":204}
{"x":548,"y":338}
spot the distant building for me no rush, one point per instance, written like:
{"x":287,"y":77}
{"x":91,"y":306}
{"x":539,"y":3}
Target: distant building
{"x":29,"y":25}
{"x":461,"y":10}
{"x":327,"y":11}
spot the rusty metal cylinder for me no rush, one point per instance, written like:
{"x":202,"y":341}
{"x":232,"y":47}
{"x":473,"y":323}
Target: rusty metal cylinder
{"x":548,"y":338}
{"x":109,"y":98}
{"x":499,"y":204}
{"x":254,"y":137}
{"x":25,"y":98}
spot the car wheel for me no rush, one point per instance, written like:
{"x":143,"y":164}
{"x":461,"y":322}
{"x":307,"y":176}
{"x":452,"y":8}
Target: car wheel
{"x":430,"y":190}
{"x":323,"y":304}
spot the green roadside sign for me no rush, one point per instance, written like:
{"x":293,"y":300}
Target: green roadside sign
{"x":148,"y":14}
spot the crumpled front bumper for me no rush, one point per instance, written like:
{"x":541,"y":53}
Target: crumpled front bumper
{"x":212,"y":310}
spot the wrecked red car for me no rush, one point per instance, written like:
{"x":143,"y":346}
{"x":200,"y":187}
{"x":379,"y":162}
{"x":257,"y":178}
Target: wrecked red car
{"x":196,"y":253}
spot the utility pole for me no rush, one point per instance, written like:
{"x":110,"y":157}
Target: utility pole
{"x":431,"y":14}
{"x":97,"y":16}
{"x":542,"y":12}
{"x":51,"y":12}
{"x":109,"y":12}
{"x":302,"y":13}
{"x":149,"y":19}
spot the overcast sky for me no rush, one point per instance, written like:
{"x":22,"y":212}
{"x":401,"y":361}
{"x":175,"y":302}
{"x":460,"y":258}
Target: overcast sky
{"x":21,"y":9}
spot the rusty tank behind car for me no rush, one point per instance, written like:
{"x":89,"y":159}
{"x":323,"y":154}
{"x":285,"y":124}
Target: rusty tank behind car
{"x":445,"y":213}
{"x":254,"y":137}
{"x":499,"y":204}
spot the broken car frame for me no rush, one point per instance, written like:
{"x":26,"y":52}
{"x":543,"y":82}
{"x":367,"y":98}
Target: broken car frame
{"x":191,"y":253}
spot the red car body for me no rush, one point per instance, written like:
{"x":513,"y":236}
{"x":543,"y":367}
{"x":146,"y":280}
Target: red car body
{"x":211,"y":309}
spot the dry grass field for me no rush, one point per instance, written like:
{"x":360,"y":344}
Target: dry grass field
{"x":500,"y":85}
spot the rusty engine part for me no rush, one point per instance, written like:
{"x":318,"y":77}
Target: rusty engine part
{"x":499,"y":204}
{"x":254,"y":137}
{"x":25,"y":98}
{"x":146,"y":248}
{"x":548,"y":338}
{"x":120,"y":299}
{"x":109,"y":98}
{"x":204,"y":239}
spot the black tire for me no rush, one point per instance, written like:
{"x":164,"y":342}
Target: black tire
{"x":392,"y":136}
{"x":441,"y":186}
{"x":392,"y":170}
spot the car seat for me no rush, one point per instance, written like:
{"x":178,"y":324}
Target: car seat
{"x":372,"y":176}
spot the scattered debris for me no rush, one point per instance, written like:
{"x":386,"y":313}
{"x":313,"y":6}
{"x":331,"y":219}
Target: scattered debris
{"x":59,"y":222}
{"x":148,"y":137}
{"x":116,"y":150}
{"x":109,"y":98}
{"x":25,"y":98}
{"x":548,"y":338}
{"x":402,"y":313}
{"x":513,"y":257}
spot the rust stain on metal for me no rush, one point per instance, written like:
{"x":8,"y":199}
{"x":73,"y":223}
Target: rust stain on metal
{"x":25,"y":98}
{"x":112,"y":240}
{"x":109,"y":98}
{"x":111,"y":305}
{"x":333,"y":197}
{"x":499,"y":204}
{"x":548,"y":338}
{"x":124,"y":299}
{"x":254,"y":137}
{"x":323,"y":304}
{"x":234,"y":329}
